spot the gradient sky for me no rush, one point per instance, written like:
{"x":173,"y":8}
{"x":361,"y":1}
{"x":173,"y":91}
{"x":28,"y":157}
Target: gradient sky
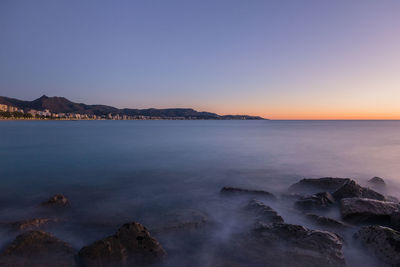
{"x":279,"y":59}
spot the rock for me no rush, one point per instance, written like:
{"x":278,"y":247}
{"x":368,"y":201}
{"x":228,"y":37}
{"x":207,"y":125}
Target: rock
{"x":32,"y":224}
{"x":352,"y":189}
{"x":58,"y":200}
{"x":367,"y":210}
{"x":377,"y":181}
{"x":382,"y":241}
{"x":326,"y":222}
{"x":264,"y":213}
{"x":317,"y":201}
{"x":289,"y":245}
{"x":37,"y":248}
{"x":235,"y":190}
{"x":312,"y":186}
{"x":131,"y":245}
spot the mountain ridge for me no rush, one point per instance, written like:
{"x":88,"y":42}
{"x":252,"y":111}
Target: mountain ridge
{"x":57,"y":104}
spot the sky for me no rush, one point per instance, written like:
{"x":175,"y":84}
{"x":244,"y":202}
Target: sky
{"x":280,"y":59}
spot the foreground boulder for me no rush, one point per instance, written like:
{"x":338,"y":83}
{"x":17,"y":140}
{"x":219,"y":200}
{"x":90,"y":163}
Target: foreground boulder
{"x":235,"y":190}
{"x":131,"y":245}
{"x":315,"y":185}
{"x":289,"y":245}
{"x":263,"y":212}
{"x":367,"y":210}
{"x":382,"y":241}
{"x":58,"y":200}
{"x":326,"y":222}
{"x":352,"y":189}
{"x":316,"y":201}
{"x":37,"y":248}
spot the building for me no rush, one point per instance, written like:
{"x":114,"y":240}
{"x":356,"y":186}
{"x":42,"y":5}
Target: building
{"x":3,"y":107}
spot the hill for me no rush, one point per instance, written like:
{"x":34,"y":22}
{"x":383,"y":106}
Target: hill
{"x":63,"y":105}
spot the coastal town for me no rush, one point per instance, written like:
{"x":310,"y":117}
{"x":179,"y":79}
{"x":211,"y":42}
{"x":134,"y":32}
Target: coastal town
{"x":13,"y":113}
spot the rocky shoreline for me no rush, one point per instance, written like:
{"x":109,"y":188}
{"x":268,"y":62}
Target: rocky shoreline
{"x":368,"y":219}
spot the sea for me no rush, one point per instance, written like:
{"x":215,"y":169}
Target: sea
{"x":162,"y":173}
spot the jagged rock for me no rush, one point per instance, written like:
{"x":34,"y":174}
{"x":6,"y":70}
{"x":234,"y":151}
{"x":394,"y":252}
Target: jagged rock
{"x":382,"y":241}
{"x":326,"y":222}
{"x":131,"y":245}
{"x":289,"y":245}
{"x":367,"y":210}
{"x":32,"y":224}
{"x":315,"y":185}
{"x":235,"y":190}
{"x":317,"y":201}
{"x":352,"y":189}
{"x":377,"y":180}
{"x":264,"y":213}
{"x":58,"y":200}
{"x":37,"y":249}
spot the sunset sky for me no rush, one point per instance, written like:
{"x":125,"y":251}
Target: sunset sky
{"x":299,"y":59}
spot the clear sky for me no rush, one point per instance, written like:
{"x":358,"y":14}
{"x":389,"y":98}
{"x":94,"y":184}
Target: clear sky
{"x":299,"y":59}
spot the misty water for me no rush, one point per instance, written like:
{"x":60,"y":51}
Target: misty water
{"x":157,"y":172}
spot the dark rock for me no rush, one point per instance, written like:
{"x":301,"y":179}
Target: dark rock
{"x":289,"y":245}
{"x":235,"y":190}
{"x":37,"y":248}
{"x":377,"y":180}
{"x":367,"y":210}
{"x":312,"y":186}
{"x":131,"y":245}
{"x":382,"y":241}
{"x":317,"y":201}
{"x":352,"y":189}
{"x":58,"y":200}
{"x":264,"y":213}
{"x":326,"y":222}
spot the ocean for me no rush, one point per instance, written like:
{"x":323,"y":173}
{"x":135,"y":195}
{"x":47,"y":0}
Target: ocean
{"x":153,"y":172}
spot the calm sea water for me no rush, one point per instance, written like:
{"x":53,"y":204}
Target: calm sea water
{"x":119,"y":171}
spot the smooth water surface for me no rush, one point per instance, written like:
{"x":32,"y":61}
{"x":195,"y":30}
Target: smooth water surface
{"x":114,"y":172}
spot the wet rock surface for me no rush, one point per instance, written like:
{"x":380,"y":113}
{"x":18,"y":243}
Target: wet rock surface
{"x":315,"y":185}
{"x":367,"y":210}
{"x":283,"y":244}
{"x":38,"y":248}
{"x":263,"y":212}
{"x":316,"y":201}
{"x":383,"y":242}
{"x":352,"y":189}
{"x":131,"y":245}
{"x":58,"y":200}
{"x":243,"y":191}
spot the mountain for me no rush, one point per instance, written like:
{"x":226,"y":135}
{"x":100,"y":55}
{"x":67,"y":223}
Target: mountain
{"x":62,"y":105}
